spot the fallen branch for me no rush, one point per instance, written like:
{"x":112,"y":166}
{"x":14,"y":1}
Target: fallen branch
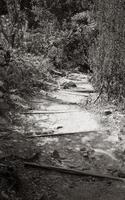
{"x":83,"y":91}
{"x":71,"y":171}
{"x":62,"y":134}
{"x":101,"y":91}
{"x":49,"y":112}
{"x":74,"y":93}
{"x":56,"y":72}
{"x":45,"y":97}
{"x":49,"y":84}
{"x":58,"y":101}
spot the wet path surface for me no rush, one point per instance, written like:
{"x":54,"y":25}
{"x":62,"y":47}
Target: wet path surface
{"x":74,"y":138}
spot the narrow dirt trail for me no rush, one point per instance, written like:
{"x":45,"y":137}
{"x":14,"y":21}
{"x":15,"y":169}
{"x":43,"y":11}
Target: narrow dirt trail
{"x":73,"y":137}
{"x":62,"y":113}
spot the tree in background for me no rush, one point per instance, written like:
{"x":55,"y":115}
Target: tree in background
{"x":109,"y":54}
{"x":65,"y":9}
{"x":12,"y":21}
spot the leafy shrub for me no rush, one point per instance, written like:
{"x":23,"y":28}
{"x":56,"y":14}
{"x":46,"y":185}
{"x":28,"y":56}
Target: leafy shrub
{"x":24,"y":73}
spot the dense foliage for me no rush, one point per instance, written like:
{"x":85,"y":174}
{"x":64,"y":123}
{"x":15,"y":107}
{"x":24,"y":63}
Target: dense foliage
{"x":108,"y":55}
{"x":65,"y":9}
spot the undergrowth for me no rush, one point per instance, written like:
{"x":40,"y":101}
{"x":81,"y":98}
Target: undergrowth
{"x":20,"y":78}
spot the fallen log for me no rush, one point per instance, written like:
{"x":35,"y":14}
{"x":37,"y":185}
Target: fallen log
{"x":61,"y":134}
{"x":71,"y":171}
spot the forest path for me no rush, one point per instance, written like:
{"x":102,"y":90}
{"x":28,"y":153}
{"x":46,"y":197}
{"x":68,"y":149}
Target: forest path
{"x":82,"y":142}
{"x":60,"y":110}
